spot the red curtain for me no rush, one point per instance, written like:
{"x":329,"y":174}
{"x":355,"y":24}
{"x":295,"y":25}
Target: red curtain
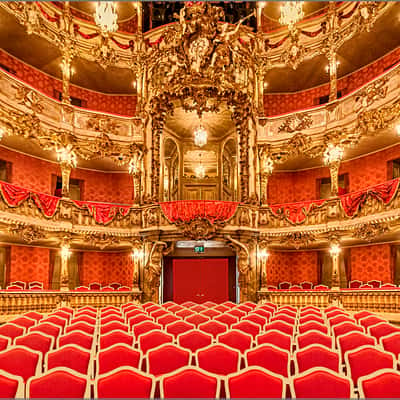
{"x":296,"y":212}
{"x":189,"y":210}
{"x":104,"y":213}
{"x":13,"y":195}
{"x":46,"y":203}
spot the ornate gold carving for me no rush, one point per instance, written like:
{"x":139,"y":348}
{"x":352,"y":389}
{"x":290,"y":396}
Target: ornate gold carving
{"x":106,"y":125}
{"x":28,"y":98}
{"x":370,"y":230}
{"x":296,"y":122}
{"x":299,"y":239}
{"x":101,"y":240}
{"x":294,"y":53}
{"x":373,"y":92}
{"x":28,"y":233}
{"x":199,"y":229}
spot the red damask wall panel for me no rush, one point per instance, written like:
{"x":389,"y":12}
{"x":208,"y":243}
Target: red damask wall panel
{"x":30,"y":264}
{"x":107,"y":268}
{"x":292,"y":267}
{"x":116,"y":104}
{"x":371,"y":262}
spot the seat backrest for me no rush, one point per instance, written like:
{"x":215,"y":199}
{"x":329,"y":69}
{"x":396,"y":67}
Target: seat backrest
{"x":237,"y":313}
{"x":366,"y":360}
{"x":311,"y":318}
{"x":167,"y":358}
{"x":384,"y":383}
{"x":277,"y":338}
{"x":79,"y":338}
{"x":218,"y":359}
{"x":197,"y":319}
{"x":227,"y":319}
{"x":306,"y":285}
{"x":189,"y":382}
{"x":382,"y":329}
{"x":248,"y":327}
{"x":313,"y":326}
{"x":375,"y":283}
{"x":20,"y":284}
{"x":244,"y":307}
{"x":339,"y":319}
{"x":198,"y":308}
{"x":255,"y":382}
{"x":112,"y":318}
{"x":391,"y":343}
{"x":159,"y":313}
{"x":222,"y":308}
{"x":314,"y":337}
{"x":70,"y":356}
{"x":353,"y":340}
{"x":47,"y":328}
{"x":115,"y":285}
{"x":94,"y":286}
{"x":211,"y":313}
{"x":112,"y":326}
{"x":4,"y":342}
{"x":236,"y":339}
{"x":116,"y":356}
{"x":316,"y":356}
{"x":21,"y":361}
{"x":12,"y":331}
{"x":269,"y":357}
{"x":80,"y":326}
{"x":184,"y":313}
{"x":346,"y":327}
{"x":169,"y":319}
{"x":194,"y":340}
{"x":214,"y":328}
{"x":354,"y":284}
{"x":124,"y":382}
{"x":24,"y":321}
{"x":153,"y":339}
{"x":371,"y":320}
{"x":11,"y":386}
{"x":178,"y":327}
{"x":257,"y":319}
{"x":114,"y":337}
{"x":362,"y":314}
{"x":55,"y":320}
{"x":34,"y":315}
{"x":83,"y":318}
{"x":144,"y":327}
{"x":138,"y":319}
{"x":321,"y":383}
{"x":262,"y":313}
{"x":280,"y":326}
{"x":36,"y":341}
{"x":284,"y":285}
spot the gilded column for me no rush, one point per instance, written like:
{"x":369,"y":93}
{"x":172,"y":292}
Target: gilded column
{"x":67,"y":160}
{"x":135,"y":169}
{"x":137,"y":259}
{"x":64,"y":274}
{"x":335,"y":253}
{"x":332,"y":157}
{"x":266,"y":169}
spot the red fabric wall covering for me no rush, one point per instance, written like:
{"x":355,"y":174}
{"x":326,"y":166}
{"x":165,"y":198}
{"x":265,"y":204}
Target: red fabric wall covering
{"x":287,"y":187}
{"x":106,"y":268}
{"x":281,"y":103}
{"x":35,"y":174}
{"x":30,"y":264}
{"x":371,"y":262}
{"x":292,"y":267}
{"x":116,"y":104}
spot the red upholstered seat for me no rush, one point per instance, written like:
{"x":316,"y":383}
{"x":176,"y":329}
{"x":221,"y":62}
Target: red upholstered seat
{"x":237,"y":313}
{"x":370,"y":321}
{"x":366,"y":360}
{"x":198,"y":308}
{"x":382,"y":329}
{"x":284,"y":285}
{"x":380,"y":384}
{"x":169,"y":319}
{"x":70,"y":356}
{"x":306,"y":285}
{"x":313,"y":326}
{"x":159,"y":313}
{"x":64,"y":312}
{"x":236,"y":339}
{"x":311,"y":317}
{"x":36,"y":341}
{"x":314,"y":337}
{"x":11,"y":386}
{"x":115,"y":285}
{"x":214,"y":328}
{"x":124,"y":382}
{"x":184,"y":313}
{"x":291,"y":309}
{"x":116,"y":356}
{"x":197,"y":319}
{"x":375,"y":283}
{"x":57,"y":383}
{"x":83,"y":318}
{"x":4,"y":342}
{"x":269,"y":357}
{"x":321,"y":383}
{"x":112,"y":318}
{"x":33,"y":315}
{"x":280,"y":326}
{"x":113,"y":326}
{"x":148,"y":304}
{"x":244,"y":307}
{"x":339,"y":319}
{"x":257,"y":319}
{"x":80,"y":326}
{"x":79,"y":338}
{"x":188,"y":304}
{"x":153,"y":339}
{"x":218,"y":359}
{"x":138,"y":319}
{"x":353,"y":340}
{"x":346,"y":327}
{"x":262,"y":313}
{"x":178,"y":327}
{"x":277,"y":338}
{"x":229,"y":304}
{"x":227,"y":319}
{"x":194,"y":340}
{"x":47,"y":328}
{"x":24,"y":322}
{"x":89,"y":309}
{"x":355,"y":284}
{"x":391,"y":343}
{"x":167,"y":358}
{"x":87,"y":313}
{"x":209,"y":304}
{"x":152,"y":308}
{"x":106,"y":309}
{"x":12,"y":331}
{"x":210,"y":313}
{"x":61,"y":322}
{"x":94,"y":286}
{"x":189,"y":382}
{"x":114,"y":337}
{"x":266,"y":307}
{"x":255,"y":382}
{"x":21,"y":361}
{"x":316,"y":356}
{"x":335,"y":312}
{"x":175,"y":308}
{"x":135,"y":312}
{"x":144,"y":327}
{"x":248,"y":327}
{"x":222,"y":308}
{"x":362,"y":314}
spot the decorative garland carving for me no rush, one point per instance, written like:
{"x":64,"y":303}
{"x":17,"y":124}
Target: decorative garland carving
{"x":299,"y":239}
{"x":200,"y":229}
{"x":370,"y":230}
{"x":296,"y":122}
{"x":28,"y":233}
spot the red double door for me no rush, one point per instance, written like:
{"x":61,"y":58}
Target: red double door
{"x":201,"y":280}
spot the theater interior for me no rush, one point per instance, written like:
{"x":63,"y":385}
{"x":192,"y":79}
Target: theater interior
{"x":200,"y":199}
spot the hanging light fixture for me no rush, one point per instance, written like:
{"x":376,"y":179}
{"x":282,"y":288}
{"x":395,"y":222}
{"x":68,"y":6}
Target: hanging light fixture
{"x":106,"y":16}
{"x":291,"y":13}
{"x":200,"y":136}
{"x":200,"y":171}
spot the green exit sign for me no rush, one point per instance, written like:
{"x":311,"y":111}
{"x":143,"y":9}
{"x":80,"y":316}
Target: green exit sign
{"x":199,"y":249}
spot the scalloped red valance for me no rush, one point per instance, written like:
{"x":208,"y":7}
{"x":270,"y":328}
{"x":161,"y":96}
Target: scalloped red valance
{"x":296,"y":213}
{"x":189,"y":210}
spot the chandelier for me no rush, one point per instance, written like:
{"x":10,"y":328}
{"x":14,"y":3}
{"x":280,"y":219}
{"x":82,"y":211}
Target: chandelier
{"x":106,"y":16}
{"x":200,"y":171}
{"x":333,"y":154}
{"x":200,"y":136}
{"x":291,"y":12}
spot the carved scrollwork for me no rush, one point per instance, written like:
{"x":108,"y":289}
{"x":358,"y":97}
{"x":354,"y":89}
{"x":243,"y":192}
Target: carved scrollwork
{"x":299,"y":239}
{"x":199,"y":229}
{"x":296,"y":122}
{"x":28,"y":233}
{"x":370,"y":230}
{"x":101,"y":240}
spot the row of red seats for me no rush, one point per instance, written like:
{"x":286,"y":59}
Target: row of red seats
{"x":35,"y":285}
{"x":265,"y":352}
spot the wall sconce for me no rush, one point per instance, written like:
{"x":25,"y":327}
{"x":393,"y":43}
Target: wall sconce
{"x":263,"y":255}
{"x":65,"y":252}
{"x":335,"y":249}
{"x":137,"y":254}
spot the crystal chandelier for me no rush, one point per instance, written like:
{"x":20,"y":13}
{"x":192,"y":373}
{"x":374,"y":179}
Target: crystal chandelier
{"x":291,"y":12}
{"x":106,"y":16}
{"x":200,"y":171}
{"x":200,"y":136}
{"x":333,"y":154}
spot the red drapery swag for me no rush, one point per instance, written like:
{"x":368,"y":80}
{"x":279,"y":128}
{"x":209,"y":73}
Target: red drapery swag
{"x":104,"y":213}
{"x":188,"y":210}
{"x":384,"y":192}
{"x":13,"y":195}
{"x":46,"y":203}
{"x":296,"y":212}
